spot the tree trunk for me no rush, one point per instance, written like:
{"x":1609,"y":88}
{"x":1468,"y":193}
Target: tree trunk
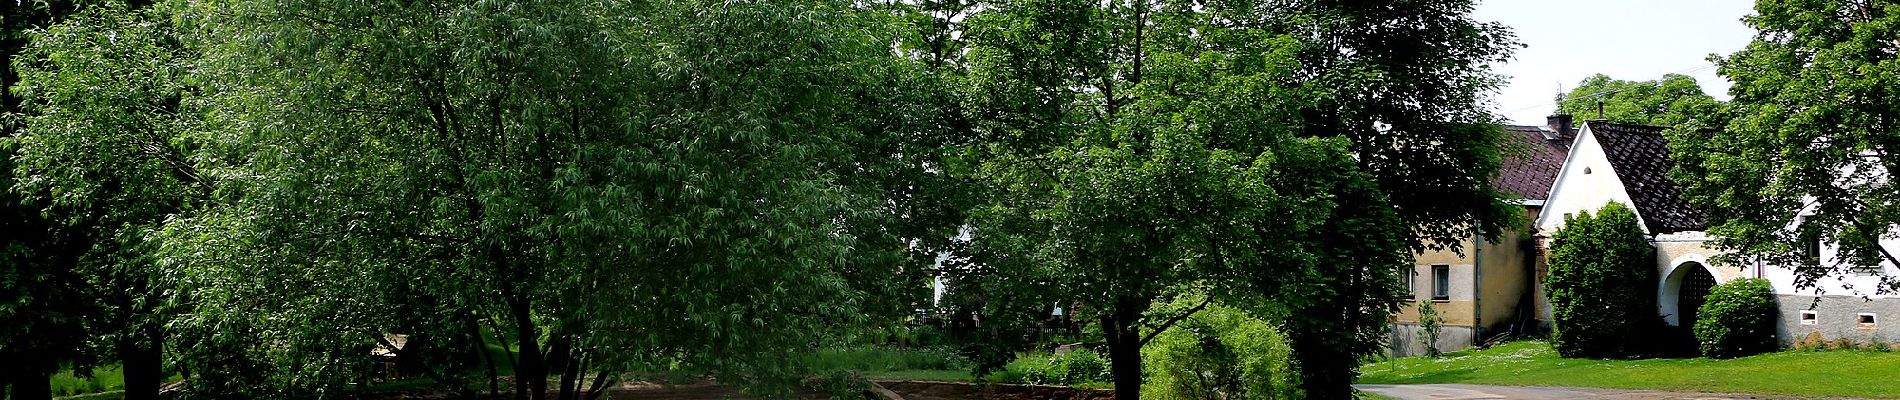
{"x":531,"y":377}
{"x":32,"y":384}
{"x":1324,"y":374}
{"x":142,"y":360}
{"x":561,"y":354}
{"x":1124,"y":361}
{"x":1123,"y":330}
{"x":481,"y":352}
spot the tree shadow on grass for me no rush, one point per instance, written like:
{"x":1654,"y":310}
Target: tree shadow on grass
{"x":1454,"y":375}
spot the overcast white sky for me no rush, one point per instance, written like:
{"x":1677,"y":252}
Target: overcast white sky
{"x":1626,"y":39}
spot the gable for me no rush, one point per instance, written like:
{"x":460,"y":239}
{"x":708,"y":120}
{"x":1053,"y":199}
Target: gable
{"x":1624,"y":163}
{"x":1640,"y":155}
{"x":1586,"y":182}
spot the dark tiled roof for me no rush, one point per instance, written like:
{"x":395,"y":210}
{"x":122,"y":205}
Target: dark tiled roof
{"x":1532,"y":158}
{"x":1640,"y":156}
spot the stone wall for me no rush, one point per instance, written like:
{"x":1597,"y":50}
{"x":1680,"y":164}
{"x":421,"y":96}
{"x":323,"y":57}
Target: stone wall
{"x":1408,"y":340}
{"x":1836,"y":317}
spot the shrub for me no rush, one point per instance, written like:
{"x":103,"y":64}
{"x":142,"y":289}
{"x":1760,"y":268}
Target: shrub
{"x":1085,"y":366}
{"x":1737,"y":319}
{"x":1429,"y":324}
{"x":1074,"y":367}
{"x":1602,"y":286}
{"x":1220,"y":353}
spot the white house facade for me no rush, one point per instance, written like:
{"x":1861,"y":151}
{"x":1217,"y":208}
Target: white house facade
{"x":1629,"y":164}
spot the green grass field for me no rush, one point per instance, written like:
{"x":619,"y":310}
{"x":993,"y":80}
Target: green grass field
{"x":1845,"y":373}
{"x":104,"y":379}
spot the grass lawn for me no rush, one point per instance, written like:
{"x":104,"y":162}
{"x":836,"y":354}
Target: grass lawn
{"x":104,"y":379}
{"x":1843,"y":373}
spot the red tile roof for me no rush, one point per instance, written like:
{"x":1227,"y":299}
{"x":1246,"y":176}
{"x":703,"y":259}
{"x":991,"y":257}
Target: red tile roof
{"x":1532,"y":157}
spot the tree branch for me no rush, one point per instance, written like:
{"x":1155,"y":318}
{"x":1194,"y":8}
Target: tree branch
{"x":1163,"y":327}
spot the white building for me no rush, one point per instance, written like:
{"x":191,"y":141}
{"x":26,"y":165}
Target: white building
{"x":1630,"y":164}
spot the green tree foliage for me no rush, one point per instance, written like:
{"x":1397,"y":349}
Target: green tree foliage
{"x":1221,"y":353}
{"x":44,"y":302}
{"x":602,"y":187}
{"x":1602,"y":285}
{"x":1808,"y":133}
{"x":1407,"y":82}
{"x":1673,"y":100}
{"x":606,"y":187}
{"x":104,"y":145}
{"x":1738,"y":319}
{"x":1134,"y":151}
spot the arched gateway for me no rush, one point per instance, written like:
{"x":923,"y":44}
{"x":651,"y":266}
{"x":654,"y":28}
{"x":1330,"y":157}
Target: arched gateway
{"x":1683,"y":292}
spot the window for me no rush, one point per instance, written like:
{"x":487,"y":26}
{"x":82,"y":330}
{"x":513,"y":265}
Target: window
{"x":1406,"y":277}
{"x":1810,"y":317}
{"x":1865,"y":321}
{"x":1441,"y":282}
{"x":1810,"y":248}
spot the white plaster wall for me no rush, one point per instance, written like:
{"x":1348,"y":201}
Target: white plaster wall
{"x":1782,"y":277}
{"x":1576,"y":191}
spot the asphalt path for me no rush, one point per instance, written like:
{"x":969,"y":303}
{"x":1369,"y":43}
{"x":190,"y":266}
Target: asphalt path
{"x":1474,"y":392}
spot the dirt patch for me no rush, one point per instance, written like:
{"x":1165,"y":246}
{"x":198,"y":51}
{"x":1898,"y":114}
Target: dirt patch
{"x":929,"y":390}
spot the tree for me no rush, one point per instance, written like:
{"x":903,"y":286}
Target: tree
{"x":1134,"y":151}
{"x":1601,"y":285}
{"x":1406,"y":82}
{"x":43,"y":298}
{"x":604,"y":187}
{"x":103,"y":146}
{"x":1122,"y":141}
{"x":1673,"y":100}
{"x":1809,"y":140}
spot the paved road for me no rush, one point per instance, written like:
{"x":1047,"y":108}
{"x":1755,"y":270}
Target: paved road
{"x":1474,"y":392}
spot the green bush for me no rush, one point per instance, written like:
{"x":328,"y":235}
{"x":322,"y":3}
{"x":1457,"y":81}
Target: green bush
{"x":1220,"y":353}
{"x":1084,"y":366}
{"x":1075,"y":367}
{"x":1737,"y":319}
{"x":1429,"y":324}
{"x":1602,"y":286}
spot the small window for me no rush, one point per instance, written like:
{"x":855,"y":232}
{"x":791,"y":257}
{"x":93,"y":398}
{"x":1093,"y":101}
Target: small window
{"x":1586,"y":170}
{"x":1441,"y":282}
{"x":1865,"y":321}
{"x":1407,"y":276}
{"x":1810,"y":317}
{"x":1811,"y":249}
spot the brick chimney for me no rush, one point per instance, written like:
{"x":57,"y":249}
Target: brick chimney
{"x":1560,"y":124}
